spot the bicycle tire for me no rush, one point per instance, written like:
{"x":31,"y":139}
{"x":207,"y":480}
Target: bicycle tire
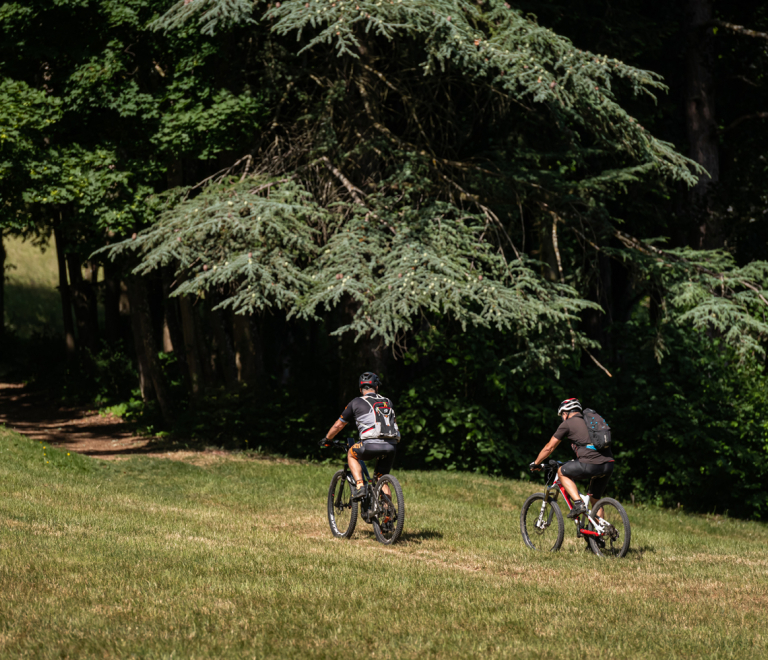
{"x":615,"y":543}
{"x":342,"y":510}
{"x":541,"y":538}
{"x":389,"y":529}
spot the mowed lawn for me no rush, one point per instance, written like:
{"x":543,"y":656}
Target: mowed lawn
{"x":231,"y":557}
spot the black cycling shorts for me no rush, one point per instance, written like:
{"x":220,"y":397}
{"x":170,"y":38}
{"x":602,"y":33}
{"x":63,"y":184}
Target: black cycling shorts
{"x":382,"y":450}
{"x":598,"y":475}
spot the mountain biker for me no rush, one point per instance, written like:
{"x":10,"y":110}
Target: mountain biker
{"x":589,"y":464}
{"x":378,"y":430}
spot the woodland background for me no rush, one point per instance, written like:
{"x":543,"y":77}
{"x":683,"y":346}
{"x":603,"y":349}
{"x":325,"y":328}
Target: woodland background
{"x":493,"y":205}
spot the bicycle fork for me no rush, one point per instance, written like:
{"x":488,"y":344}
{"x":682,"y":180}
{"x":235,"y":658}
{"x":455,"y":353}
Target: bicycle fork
{"x":541,"y":523}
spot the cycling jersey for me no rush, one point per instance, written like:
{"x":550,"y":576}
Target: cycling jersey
{"x":575,"y":429}
{"x":374,"y":416}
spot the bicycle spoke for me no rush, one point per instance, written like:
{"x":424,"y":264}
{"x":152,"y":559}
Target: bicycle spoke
{"x":342,"y":511}
{"x":615,"y":537}
{"x":388,"y":522}
{"x":541,"y":523}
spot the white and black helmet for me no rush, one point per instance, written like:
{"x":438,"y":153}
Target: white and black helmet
{"x":569,"y":405}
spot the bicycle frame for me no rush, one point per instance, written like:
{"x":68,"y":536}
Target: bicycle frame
{"x":550,"y":495}
{"x":369,"y":506}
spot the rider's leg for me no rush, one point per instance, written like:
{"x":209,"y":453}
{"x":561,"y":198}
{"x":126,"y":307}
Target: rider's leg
{"x":597,"y":486}
{"x":385,"y":489}
{"x":354,"y":467}
{"x":569,"y":485}
{"x":384,"y":466}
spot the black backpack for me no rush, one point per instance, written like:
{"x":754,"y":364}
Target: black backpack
{"x":599,"y":431}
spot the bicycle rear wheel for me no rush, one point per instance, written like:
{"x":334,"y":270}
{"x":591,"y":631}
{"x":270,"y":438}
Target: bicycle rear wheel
{"x":388,"y":523}
{"x":615,"y":541}
{"x":342,"y":511}
{"x":541,"y":523}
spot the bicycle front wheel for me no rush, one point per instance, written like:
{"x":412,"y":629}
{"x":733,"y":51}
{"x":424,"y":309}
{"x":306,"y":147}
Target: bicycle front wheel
{"x":614,"y":542}
{"x":390,"y":506}
{"x":541,"y":523}
{"x":342,"y":511}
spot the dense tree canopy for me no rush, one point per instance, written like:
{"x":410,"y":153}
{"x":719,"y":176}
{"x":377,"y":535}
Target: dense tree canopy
{"x":462,"y":195}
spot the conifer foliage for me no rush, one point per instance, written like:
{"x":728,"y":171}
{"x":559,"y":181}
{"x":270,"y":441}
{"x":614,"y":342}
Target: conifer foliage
{"x":408,"y":144}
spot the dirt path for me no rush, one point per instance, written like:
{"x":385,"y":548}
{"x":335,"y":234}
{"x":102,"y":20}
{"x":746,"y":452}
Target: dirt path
{"x":39,"y":416}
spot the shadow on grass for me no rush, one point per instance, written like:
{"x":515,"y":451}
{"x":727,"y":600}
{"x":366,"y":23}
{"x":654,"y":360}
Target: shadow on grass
{"x":638,"y":553}
{"x":420,"y":536}
{"x":32,"y":310}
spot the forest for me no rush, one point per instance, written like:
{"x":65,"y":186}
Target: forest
{"x":493,"y":205}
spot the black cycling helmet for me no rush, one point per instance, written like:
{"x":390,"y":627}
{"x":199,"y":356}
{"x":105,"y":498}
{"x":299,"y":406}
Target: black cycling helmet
{"x":369,"y":378}
{"x":569,"y":405}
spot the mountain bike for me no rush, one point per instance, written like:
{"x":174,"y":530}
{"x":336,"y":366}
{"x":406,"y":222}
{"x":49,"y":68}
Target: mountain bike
{"x":382,"y":505}
{"x":605,"y":527}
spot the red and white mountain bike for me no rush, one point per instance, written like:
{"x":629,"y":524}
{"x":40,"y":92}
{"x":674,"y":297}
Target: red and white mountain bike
{"x":605,"y":526}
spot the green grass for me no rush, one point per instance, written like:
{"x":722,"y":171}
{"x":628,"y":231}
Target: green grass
{"x":32,"y":302}
{"x":233,"y":558}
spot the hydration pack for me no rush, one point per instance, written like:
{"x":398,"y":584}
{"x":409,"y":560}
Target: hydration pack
{"x":599,"y":431}
{"x":384,"y":419}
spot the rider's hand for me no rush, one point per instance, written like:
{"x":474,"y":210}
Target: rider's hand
{"x":325,"y":442}
{"x":534,"y":467}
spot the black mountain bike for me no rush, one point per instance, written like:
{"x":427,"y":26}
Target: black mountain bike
{"x":382,"y":506}
{"x":605,"y":526}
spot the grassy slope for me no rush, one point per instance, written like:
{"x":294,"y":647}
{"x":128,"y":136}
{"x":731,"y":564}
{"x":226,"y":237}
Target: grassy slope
{"x":233,"y":558}
{"x":32,"y":302}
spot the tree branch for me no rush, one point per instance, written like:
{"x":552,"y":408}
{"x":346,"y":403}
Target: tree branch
{"x":631,"y":241}
{"x":739,"y":29}
{"x":356,"y":193}
{"x":756,"y":115}
{"x":594,"y":359}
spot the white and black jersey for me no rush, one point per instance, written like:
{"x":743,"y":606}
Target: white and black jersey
{"x":374,"y":416}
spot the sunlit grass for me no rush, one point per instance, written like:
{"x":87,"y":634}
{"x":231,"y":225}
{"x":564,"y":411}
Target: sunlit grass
{"x":32,"y":302}
{"x":232,"y":557}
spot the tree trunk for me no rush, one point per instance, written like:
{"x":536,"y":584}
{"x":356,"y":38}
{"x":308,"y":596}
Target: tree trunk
{"x":172,"y":323}
{"x":145,"y":380}
{"x":257,"y":333}
{"x":701,"y":125}
{"x":64,"y":292}
{"x":167,"y":341}
{"x":223,"y":347}
{"x":146,"y":348}
{"x":2,"y":287}
{"x":112,"y":325}
{"x":189,"y":332}
{"x":92,"y":283}
{"x":207,"y":356}
{"x":244,"y":353}
{"x":357,"y":357}
{"x":81,"y":295}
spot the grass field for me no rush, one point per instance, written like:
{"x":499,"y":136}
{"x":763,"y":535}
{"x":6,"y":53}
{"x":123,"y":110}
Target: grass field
{"x":231,"y":557}
{"x":32,"y":302}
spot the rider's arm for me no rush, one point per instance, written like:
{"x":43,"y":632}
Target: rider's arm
{"x":338,"y":426}
{"x":548,"y":449}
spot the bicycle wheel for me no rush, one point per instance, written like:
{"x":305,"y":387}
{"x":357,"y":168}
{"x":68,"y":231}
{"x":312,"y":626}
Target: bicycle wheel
{"x":541,"y":524}
{"x":615,"y":541}
{"x":388,"y":523}
{"x":342,"y":511}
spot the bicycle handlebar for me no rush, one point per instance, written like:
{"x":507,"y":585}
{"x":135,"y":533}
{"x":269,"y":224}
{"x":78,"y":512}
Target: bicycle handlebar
{"x":551,"y":464}
{"x":335,"y":443}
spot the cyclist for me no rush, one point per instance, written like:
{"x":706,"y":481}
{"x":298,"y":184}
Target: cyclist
{"x":589,"y":464}
{"x":378,"y":430}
